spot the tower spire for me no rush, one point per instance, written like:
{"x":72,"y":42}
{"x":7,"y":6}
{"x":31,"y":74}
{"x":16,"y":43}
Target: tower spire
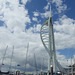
{"x":47,"y":37}
{"x":50,"y":11}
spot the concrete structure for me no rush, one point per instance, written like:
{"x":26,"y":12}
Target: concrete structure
{"x":47,"y":37}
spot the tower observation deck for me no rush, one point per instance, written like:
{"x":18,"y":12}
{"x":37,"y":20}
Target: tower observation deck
{"x":47,"y":38}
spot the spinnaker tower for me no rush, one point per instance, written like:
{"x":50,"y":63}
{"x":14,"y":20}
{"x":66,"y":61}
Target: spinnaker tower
{"x":47,"y":38}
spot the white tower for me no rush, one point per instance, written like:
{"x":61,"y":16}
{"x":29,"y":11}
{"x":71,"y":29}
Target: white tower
{"x":47,"y":37}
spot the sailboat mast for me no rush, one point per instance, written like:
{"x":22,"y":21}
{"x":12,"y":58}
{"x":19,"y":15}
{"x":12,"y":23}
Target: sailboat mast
{"x":11,"y":59}
{"x":4,"y":57}
{"x":26,"y":56}
{"x":35,"y":63}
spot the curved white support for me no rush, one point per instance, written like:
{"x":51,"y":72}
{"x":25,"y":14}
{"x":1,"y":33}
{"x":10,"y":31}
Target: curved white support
{"x":47,"y":38}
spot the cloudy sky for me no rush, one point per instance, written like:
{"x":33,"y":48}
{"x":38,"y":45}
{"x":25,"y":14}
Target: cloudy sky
{"x":20,"y":23}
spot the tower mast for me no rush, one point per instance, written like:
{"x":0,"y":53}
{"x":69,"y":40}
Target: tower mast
{"x":47,"y":38}
{"x":51,"y":42}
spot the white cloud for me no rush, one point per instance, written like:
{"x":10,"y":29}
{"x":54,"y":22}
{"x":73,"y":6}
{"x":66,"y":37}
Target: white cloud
{"x":58,"y":2}
{"x":15,"y":18}
{"x":45,"y":15}
{"x":37,"y":28}
{"x":47,"y":6}
{"x":25,"y":1}
{"x":64,"y":34}
{"x":36,"y":13}
{"x":34,"y":19}
{"x":59,"y":5}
